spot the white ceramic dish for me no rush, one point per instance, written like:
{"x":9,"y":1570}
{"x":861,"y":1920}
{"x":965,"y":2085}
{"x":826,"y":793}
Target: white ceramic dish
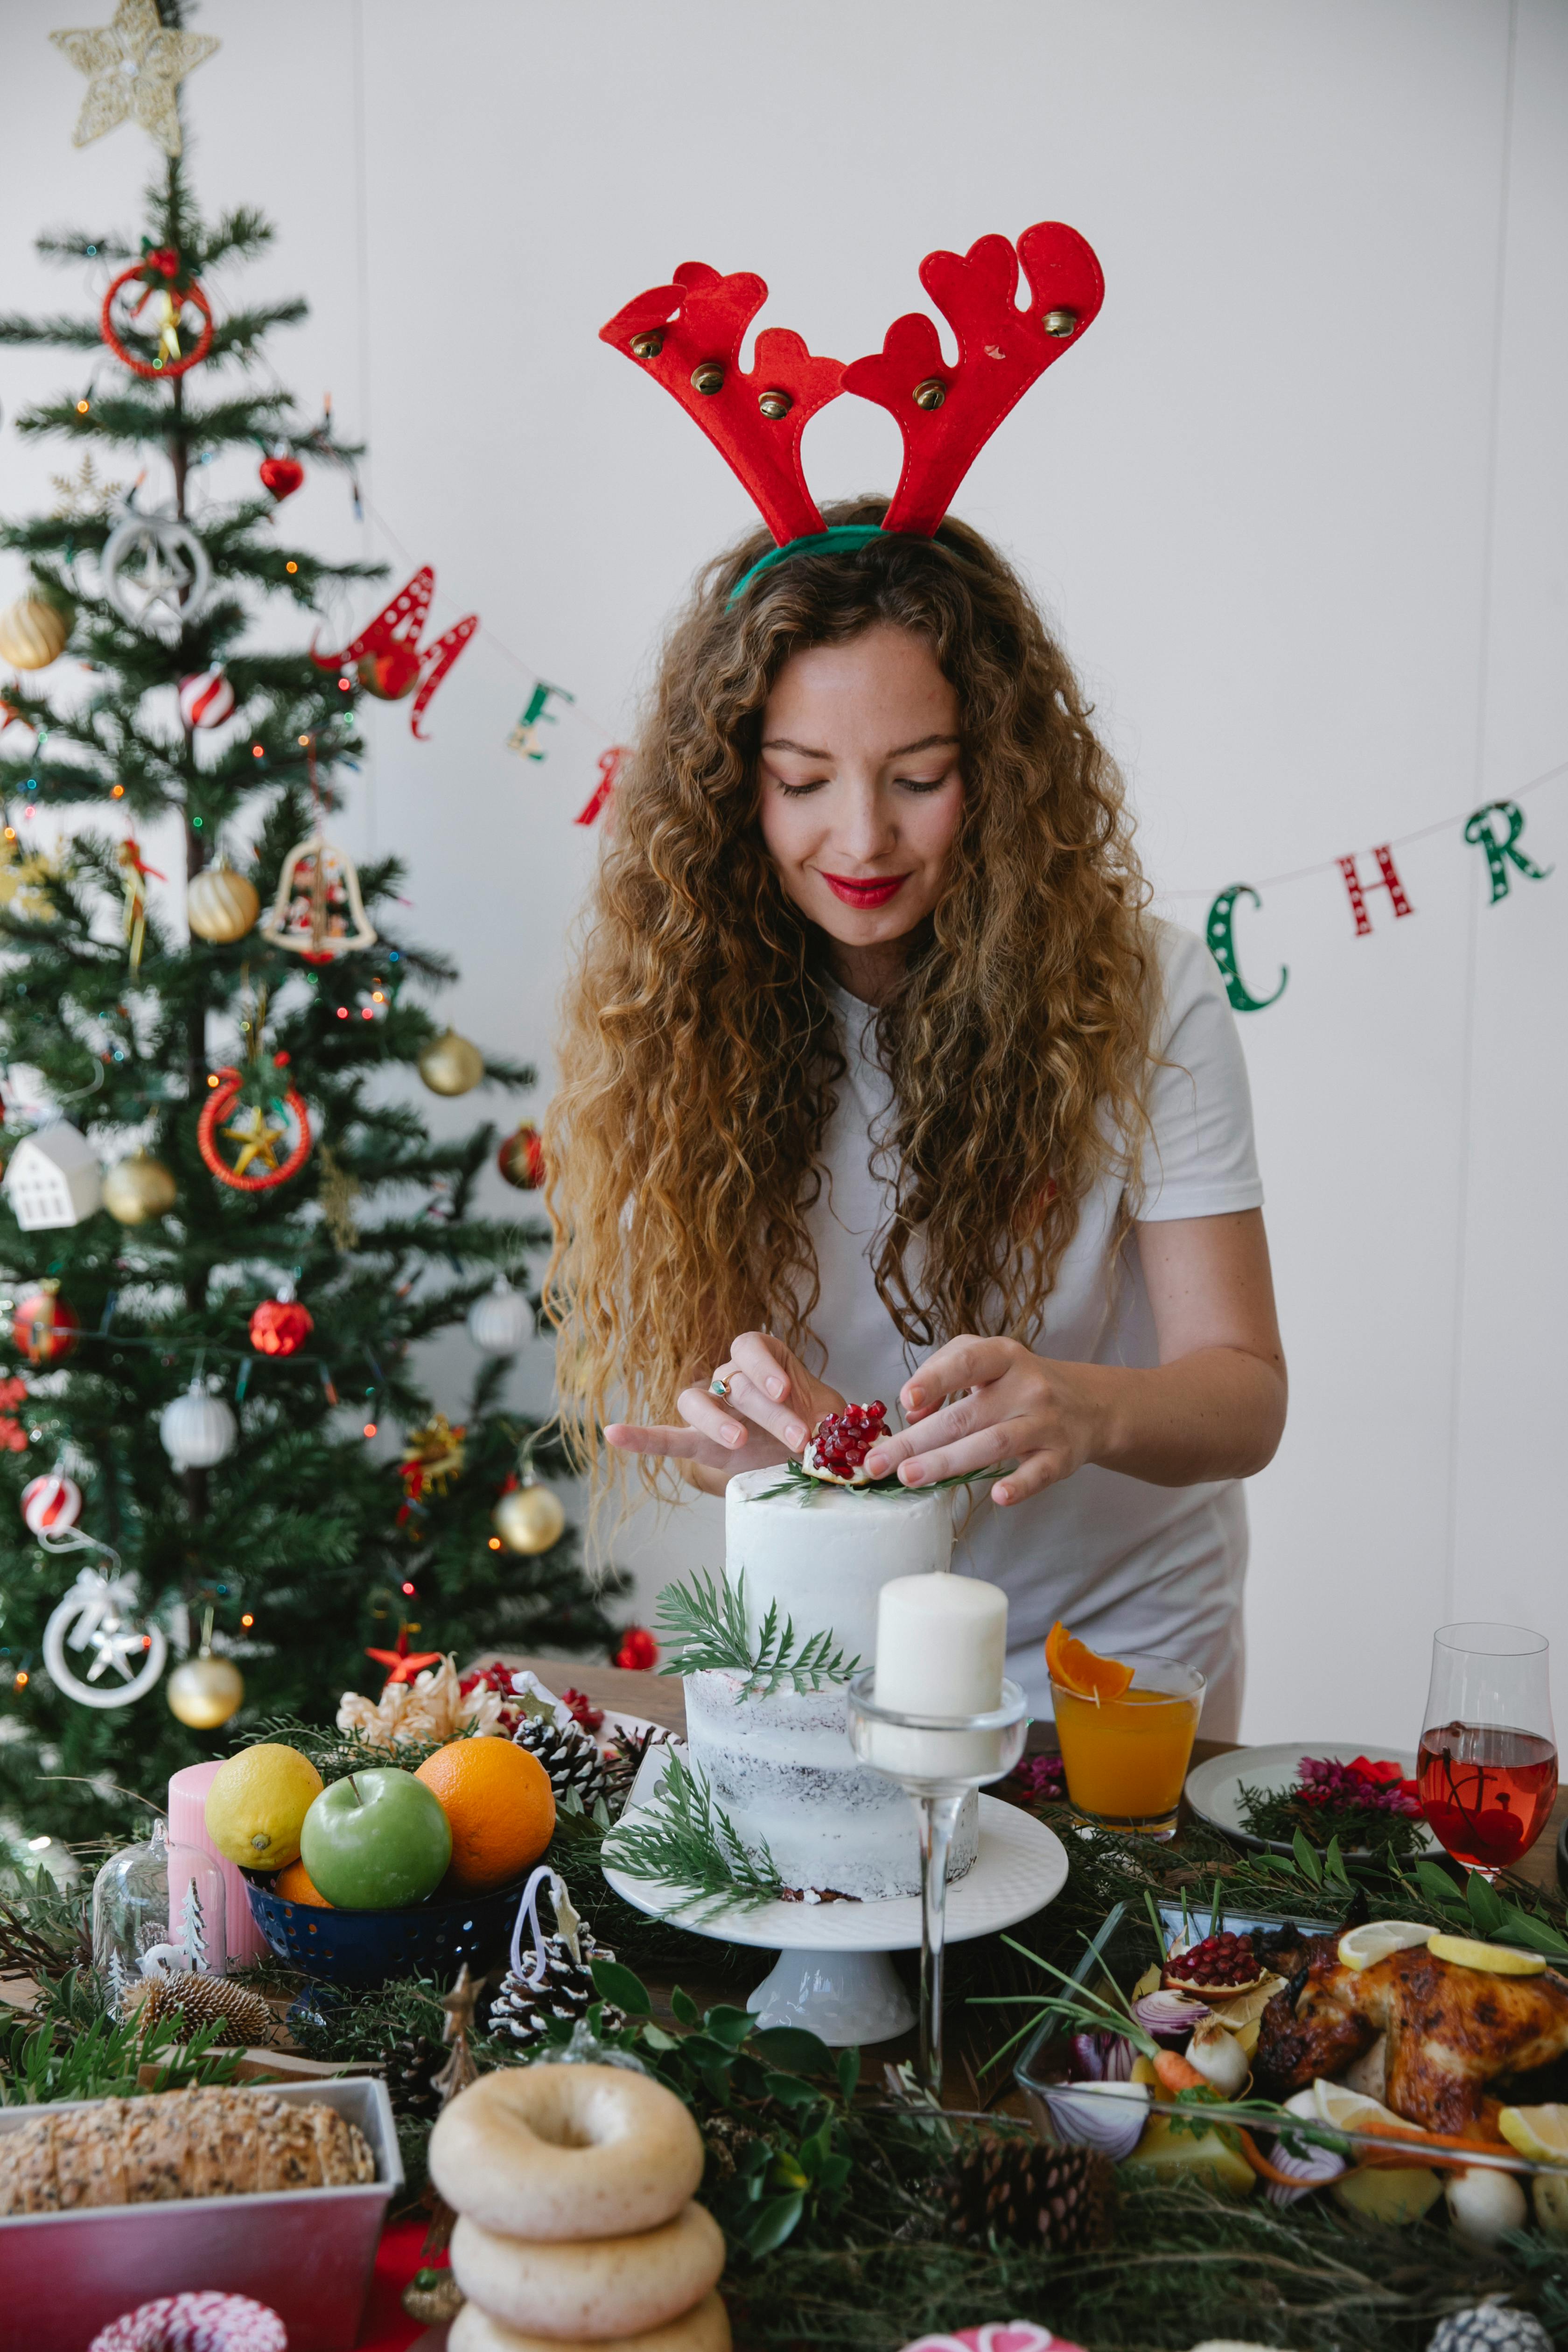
{"x":1213,"y":1789}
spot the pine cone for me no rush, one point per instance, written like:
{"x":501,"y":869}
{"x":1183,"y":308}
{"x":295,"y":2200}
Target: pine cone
{"x":194,"y":2002}
{"x":522,"y":2012}
{"x":1059,"y":2201}
{"x":569,"y":1757}
{"x":409,"y":2066}
{"x":1490,"y":2328}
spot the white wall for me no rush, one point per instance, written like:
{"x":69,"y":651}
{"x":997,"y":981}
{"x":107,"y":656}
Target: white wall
{"x":1297,"y":505}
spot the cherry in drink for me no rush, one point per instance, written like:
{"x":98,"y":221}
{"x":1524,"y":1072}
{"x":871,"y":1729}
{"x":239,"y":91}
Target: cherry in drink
{"x":1486,"y":1791}
{"x":1487,"y":1772}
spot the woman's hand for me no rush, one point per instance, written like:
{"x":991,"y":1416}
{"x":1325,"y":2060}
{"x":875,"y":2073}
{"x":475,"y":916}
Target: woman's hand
{"x":772,"y":1406}
{"x":1051,"y":1416}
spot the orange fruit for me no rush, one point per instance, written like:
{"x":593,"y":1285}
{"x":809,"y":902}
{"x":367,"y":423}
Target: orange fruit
{"x":501,"y":1807}
{"x":295,"y":1885}
{"x":1078,"y":1668}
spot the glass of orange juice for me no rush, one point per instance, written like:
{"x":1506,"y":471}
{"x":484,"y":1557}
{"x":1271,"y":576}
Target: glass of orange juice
{"x":1126,"y":1757}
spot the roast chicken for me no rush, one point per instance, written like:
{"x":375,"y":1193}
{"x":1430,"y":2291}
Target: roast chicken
{"x":1451,"y":2031}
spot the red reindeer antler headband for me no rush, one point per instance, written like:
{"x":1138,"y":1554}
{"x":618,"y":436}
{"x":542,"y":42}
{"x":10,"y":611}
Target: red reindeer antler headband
{"x":688,"y":335}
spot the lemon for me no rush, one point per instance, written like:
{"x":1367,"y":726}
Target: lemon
{"x":258,"y":1802}
{"x":1349,"y":2111}
{"x":1540,"y":2132}
{"x":1394,"y":2197}
{"x":1172,"y":2154}
{"x":1361,"y":1947}
{"x":1497,"y":1960}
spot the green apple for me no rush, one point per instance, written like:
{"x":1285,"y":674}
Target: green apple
{"x":376,"y":1840}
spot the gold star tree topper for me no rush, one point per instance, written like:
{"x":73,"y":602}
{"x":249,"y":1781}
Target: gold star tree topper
{"x":135,"y":68}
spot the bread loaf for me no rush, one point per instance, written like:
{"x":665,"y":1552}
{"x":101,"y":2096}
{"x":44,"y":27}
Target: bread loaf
{"x":211,"y":2142}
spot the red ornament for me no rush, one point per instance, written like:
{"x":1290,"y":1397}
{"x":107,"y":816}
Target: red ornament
{"x":281,"y":1327}
{"x":42,"y":1328}
{"x":220,"y":1101}
{"x":155,"y":272}
{"x":639,"y":1651}
{"x":282,"y":476}
{"x":522,"y":1159}
{"x":403,"y":1663}
{"x":51,"y":1502}
{"x":395,"y":629}
{"x":389,"y":676}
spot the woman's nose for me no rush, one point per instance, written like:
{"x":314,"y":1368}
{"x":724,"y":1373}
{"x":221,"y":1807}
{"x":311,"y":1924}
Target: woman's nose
{"x":867,"y":831}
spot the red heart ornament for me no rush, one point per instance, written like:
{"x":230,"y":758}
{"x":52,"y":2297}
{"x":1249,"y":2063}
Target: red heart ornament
{"x":282,"y":476}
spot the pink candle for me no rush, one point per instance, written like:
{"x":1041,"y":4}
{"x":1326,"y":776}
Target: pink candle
{"x":187,"y":1826}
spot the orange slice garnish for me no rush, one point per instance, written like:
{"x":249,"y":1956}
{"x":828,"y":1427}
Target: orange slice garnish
{"x":1077,"y":1668}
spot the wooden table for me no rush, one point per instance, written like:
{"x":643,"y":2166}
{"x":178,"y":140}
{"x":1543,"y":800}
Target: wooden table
{"x":661,"y":1699}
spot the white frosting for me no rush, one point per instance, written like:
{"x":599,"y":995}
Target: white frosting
{"x":781,"y":1768}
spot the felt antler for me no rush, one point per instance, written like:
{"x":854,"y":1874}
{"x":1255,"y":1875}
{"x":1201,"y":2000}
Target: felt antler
{"x":945,"y":413}
{"x":688,"y":336}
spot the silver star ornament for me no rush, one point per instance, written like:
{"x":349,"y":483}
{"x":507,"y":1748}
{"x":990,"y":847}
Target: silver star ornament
{"x":135,"y":67}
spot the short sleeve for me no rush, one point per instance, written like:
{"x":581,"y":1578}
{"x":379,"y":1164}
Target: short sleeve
{"x":1200,"y":1160}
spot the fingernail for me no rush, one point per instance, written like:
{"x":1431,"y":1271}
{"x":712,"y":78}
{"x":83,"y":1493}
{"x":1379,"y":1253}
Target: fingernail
{"x":914,"y":1396}
{"x":798,"y":1433}
{"x":1000,"y":1494}
{"x":876,"y":1465}
{"x":776,"y":1388}
{"x":911,"y":1474}
{"x":733,"y":1437}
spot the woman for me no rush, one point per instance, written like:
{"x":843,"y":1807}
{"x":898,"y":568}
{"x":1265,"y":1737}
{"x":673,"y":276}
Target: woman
{"x":880,"y":1081}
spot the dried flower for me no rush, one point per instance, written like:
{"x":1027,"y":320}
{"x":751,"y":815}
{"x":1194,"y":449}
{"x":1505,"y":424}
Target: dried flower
{"x":434,"y":1705}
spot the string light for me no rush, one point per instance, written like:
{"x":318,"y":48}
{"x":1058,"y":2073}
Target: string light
{"x":290,"y":565}
{"x":116,"y":792}
{"x":302,"y":740}
{"x":370,"y":1429}
{"x":20,"y":1680}
{"x":495,"y":1543}
{"x":212,"y":1080}
{"x":257,"y":753}
{"x":82,"y":406}
{"x":409,"y":1590}
{"x":247,"y":1621}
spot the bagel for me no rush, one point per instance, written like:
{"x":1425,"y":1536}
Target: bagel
{"x":705,"y":2329}
{"x":566,"y":2152}
{"x":590,"y":2293}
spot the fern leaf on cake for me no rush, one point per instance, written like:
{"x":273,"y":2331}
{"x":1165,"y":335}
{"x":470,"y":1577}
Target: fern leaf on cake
{"x":702,"y":1629}
{"x":682,"y":1838}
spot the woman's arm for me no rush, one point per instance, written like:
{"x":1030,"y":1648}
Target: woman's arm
{"x":1214,"y":1407}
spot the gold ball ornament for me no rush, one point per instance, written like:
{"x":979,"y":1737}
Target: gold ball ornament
{"x":138,"y":1189}
{"x":33,"y":633}
{"x":205,"y":1691}
{"x":528,"y":1519}
{"x":450,"y":1065}
{"x":221,"y":905}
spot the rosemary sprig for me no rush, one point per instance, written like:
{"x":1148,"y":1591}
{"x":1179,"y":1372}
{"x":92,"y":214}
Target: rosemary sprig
{"x":683,"y":1837}
{"x":702,"y":1625}
{"x":799,"y":1482}
{"x":335,"y":1754}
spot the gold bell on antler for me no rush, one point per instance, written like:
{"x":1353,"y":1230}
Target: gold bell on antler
{"x":647,"y":347}
{"x":1061,"y":324}
{"x":930,"y":394}
{"x":708,"y":377}
{"x":774,"y":404}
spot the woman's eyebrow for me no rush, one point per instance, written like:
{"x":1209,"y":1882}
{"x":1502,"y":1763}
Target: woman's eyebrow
{"x":899,"y":751}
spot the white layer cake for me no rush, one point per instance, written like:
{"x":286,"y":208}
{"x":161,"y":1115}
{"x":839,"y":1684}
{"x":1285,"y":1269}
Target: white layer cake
{"x":783,"y":1768}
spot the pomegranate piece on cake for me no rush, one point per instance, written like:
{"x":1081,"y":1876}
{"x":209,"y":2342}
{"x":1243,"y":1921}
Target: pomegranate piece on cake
{"x":841,"y":1441}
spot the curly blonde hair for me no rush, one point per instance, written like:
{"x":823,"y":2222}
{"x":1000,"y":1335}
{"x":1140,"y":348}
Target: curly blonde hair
{"x":700,"y":1052}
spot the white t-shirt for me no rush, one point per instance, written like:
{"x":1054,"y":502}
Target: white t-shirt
{"x":1129,"y":1566}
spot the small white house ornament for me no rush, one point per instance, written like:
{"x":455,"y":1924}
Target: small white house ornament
{"x":53,"y":1178}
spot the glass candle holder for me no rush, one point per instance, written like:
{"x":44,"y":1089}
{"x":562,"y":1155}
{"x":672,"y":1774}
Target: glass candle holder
{"x":157,"y":1910}
{"x":936,"y":1759}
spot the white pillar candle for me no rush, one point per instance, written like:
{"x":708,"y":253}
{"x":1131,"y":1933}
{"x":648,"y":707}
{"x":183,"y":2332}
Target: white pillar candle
{"x":941,"y":1645}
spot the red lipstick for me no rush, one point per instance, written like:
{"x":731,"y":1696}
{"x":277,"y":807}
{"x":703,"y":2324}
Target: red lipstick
{"x":870,"y":890}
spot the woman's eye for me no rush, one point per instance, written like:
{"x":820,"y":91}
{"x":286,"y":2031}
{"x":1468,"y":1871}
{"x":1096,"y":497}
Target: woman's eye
{"x":798,"y":792}
{"x":924,"y":783}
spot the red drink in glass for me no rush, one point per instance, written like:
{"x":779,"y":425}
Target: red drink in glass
{"x":1486,"y":1789}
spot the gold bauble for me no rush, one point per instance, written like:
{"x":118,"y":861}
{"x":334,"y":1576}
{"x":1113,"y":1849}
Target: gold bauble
{"x":220,"y":904}
{"x":138,"y":1187}
{"x":33,"y":633}
{"x":450,"y":1065}
{"x":528,"y":1519}
{"x":205,"y":1691}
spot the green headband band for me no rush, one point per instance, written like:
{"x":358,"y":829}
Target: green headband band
{"x":843,"y":539}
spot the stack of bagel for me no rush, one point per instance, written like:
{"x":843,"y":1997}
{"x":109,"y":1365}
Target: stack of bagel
{"x":572,"y":2187}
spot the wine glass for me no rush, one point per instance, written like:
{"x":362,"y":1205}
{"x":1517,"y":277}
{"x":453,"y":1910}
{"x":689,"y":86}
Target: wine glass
{"x":1486,"y":1773}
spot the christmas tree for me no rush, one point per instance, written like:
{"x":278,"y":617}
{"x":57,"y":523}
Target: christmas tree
{"x":131,"y":1338}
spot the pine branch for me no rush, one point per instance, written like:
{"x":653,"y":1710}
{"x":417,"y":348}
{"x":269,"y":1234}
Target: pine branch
{"x":687,"y":1841}
{"x":704,"y":1625}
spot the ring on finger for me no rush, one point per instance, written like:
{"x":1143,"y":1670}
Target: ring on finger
{"x":720,"y":1387}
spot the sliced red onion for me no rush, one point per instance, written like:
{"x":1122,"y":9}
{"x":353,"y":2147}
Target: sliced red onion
{"x":1170,"y":2016}
{"x":1101,"y":2058}
{"x":1304,"y":2161}
{"x":1108,"y":2117}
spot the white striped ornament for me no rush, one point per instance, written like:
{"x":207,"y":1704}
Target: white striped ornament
{"x":51,"y":1502}
{"x":205,"y":699}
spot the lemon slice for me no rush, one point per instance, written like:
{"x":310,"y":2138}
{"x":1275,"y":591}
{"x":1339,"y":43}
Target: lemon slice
{"x":1540,"y":2132}
{"x":1496,"y":1960}
{"x":1360,"y":1948}
{"x":1349,"y":2110}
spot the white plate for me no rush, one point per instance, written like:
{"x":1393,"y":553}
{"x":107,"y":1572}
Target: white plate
{"x":1213,"y":1789}
{"x":1021,"y":1867}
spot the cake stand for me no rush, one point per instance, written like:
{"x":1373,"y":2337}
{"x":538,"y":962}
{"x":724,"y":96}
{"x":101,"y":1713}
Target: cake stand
{"x":833,"y":1974}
